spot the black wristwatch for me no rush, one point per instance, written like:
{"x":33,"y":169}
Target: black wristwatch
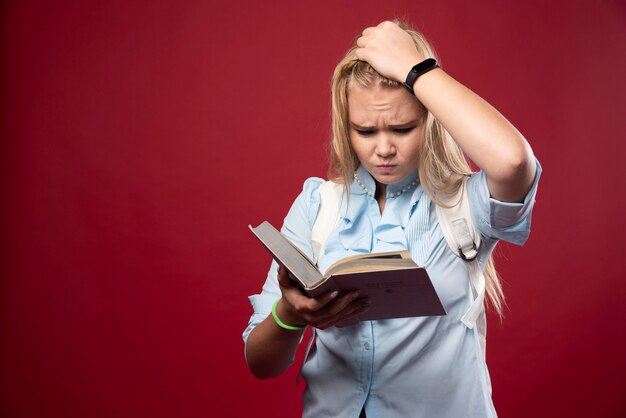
{"x":417,"y":70}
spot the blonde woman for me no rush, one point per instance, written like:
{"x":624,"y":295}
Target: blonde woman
{"x":401,"y":128}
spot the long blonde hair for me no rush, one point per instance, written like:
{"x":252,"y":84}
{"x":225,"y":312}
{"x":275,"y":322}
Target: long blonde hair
{"x":442,"y":164}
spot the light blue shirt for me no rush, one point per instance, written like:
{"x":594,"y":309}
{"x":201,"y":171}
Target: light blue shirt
{"x":409,"y":367}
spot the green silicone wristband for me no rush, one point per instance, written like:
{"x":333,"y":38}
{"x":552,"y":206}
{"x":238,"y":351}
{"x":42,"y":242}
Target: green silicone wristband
{"x":281,"y":323}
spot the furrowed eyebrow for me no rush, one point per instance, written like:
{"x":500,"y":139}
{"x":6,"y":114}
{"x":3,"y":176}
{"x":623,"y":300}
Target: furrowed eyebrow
{"x":362,"y":128}
{"x":405,"y":125}
{"x":409,"y":124}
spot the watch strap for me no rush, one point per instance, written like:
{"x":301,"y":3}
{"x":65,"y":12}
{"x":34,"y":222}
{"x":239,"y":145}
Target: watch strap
{"x":417,"y":70}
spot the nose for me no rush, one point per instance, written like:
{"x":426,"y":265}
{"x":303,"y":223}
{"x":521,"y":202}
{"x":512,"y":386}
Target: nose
{"x":384,"y":145}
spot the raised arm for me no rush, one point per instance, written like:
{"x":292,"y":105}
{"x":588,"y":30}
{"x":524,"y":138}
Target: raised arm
{"x":483,"y":134}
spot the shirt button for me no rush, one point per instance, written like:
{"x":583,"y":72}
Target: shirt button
{"x":366,"y":346}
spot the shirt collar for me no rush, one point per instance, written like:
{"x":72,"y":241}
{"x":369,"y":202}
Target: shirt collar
{"x":364,"y":183}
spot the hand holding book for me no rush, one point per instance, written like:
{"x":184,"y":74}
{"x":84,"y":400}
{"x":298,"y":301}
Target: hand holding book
{"x":324,"y":311}
{"x":392,"y":282}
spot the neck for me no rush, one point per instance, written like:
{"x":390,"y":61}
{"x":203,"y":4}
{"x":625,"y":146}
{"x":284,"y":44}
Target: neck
{"x":381,"y":195}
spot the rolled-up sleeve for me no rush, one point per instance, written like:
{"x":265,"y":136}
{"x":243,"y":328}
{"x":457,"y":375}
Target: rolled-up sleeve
{"x":498,"y":220}
{"x":297,"y":228}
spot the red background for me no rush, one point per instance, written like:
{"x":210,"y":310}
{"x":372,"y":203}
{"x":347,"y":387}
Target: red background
{"x":139,"y":139}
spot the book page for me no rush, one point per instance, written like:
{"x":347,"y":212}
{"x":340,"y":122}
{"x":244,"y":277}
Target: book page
{"x":367,"y":264}
{"x":391,"y":255}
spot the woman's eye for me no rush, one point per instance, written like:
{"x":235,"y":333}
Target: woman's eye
{"x":365,"y":132}
{"x":403,"y":131}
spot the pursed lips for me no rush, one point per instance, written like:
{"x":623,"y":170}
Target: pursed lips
{"x":386,"y":167}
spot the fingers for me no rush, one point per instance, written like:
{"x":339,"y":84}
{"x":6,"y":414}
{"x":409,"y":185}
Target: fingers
{"x":328,"y":304}
{"x":345,"y":309}
{"x":367,"y":31}
{"x":298,"y":308}
{"x":341,"y":304}
{"x":348,"y":316}
{"x":379,"y":29}
{"x":389,"y":49}
{"x":322,"y":312}
{"x":365,"y":37}
{"x":381,"y":25}
{"x":283,"y":277}
{"x":296,"y":298}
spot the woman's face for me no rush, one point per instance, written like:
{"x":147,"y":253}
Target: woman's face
{"x":385,"y":131}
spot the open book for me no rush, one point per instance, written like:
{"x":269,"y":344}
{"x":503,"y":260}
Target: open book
{"x":394,"y":284}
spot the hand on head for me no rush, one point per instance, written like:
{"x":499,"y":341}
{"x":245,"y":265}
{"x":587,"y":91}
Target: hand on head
{"x":389,"y":49}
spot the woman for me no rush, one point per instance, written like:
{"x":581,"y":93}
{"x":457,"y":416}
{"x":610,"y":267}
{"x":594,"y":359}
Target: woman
{"x":396,"y":147}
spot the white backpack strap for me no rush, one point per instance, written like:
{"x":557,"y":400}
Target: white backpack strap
{"x":457,"y":225}
{"x":331,"y":195}
{"x":464,"y":240}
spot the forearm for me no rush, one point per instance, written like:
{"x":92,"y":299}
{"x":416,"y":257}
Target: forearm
{"x":483,"y":134}
{"x":270,"y":348}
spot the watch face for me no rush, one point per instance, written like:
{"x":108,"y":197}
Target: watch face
{"x":425,"y":65}
{"x":419,"y":69}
